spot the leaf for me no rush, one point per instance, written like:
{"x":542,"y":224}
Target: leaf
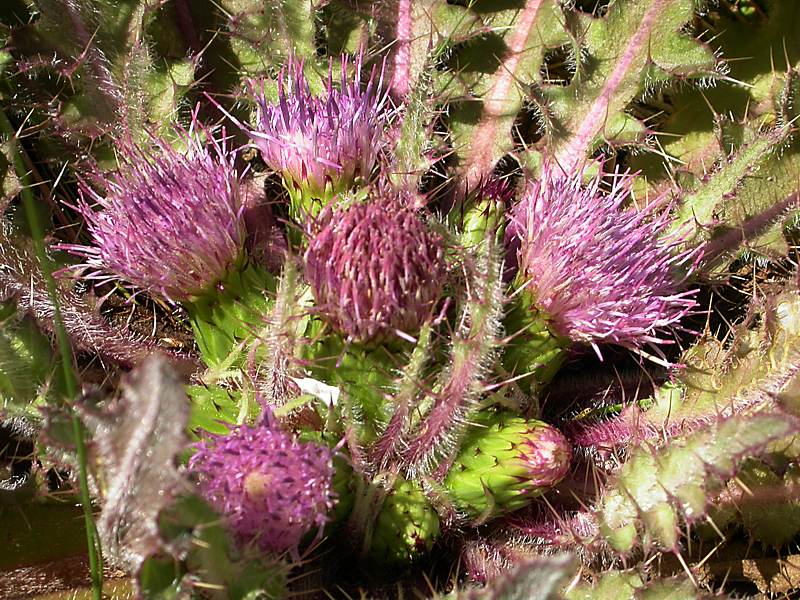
{"x":136,"y":440}
{"x":209,"y":558}
{"x":102,"y":49}
{"x":538,"y":579}
{"x":718,"y":380}
{"x":655,"y":488}
{"x":264,"y":34}
{"x":29,"y":369}
{"x":494,"y":71}
{"x":9,"y":182}
{"x":635,"y":46}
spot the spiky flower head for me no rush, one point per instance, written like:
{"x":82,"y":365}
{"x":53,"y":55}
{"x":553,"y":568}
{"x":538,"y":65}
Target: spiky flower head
{"x":506,"y":462}
{"x":599,"y":271}
{"x":321,"y":144}
{"x":271,"y":488}
{"x":376,"y":268}
{"x":170,"y":221}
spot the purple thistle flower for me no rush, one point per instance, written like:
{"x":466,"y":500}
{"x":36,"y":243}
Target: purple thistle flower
{"x":171,"y":223}
{"x":376,"y":268}
{"x":321,"y":143}
{"x":271,"y":488}
{"x":600,"y":272}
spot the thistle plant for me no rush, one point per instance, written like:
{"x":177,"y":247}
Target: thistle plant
{"x":171,"y":223}
{"x":432,"y":218}
{"x":592,"y":271}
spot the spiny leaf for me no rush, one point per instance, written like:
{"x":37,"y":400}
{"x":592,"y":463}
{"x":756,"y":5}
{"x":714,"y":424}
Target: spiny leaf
{"x":635,"y":46}
{"x":28,"y":366}
{"x":266,"y":33}
{"x":655,"y":488}
{"x":109,"y":76}
{"x":718,"y":380}
{"x":494,"y":70}
{"x":538,"y":579}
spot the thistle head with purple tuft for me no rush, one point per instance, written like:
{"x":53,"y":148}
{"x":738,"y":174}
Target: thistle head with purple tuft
{"x":599,"y":272}
{"x":171,"y":222}
{"x":271,"y":488}
{"x":321,"y":144}
{"x":376,"y":268}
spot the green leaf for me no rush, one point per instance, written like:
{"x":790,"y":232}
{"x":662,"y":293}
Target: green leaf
{"x":657,"y":487}
{"x":636,"y":46}
{"x":265,"y":33}
{"x":493,"y":71}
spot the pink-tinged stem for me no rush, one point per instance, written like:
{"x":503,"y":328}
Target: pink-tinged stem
{"x":752,"y":227}
{"x":480,"y":156}
{"x":436,"y":438}
{"x":447,"y":414}
{"x":401,"y":78}
{"x":634,"y":425}
{"x":387,"y":449}
{"x":573,"y":153}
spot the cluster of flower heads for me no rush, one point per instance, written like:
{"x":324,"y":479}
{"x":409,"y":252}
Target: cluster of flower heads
{"x":321,"y":143}
{"x":171,"y":222}
{"x":375,"y":267}
{"x":272,"y":488}
{"x":600,"y":272}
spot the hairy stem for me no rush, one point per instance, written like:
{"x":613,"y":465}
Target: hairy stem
{"x":70,"y":380}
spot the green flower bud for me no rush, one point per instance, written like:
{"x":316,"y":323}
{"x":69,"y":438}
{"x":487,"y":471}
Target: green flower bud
{"x":406,"y":527}
{"x":503,"y":465}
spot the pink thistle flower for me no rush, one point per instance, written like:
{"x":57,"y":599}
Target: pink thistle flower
{"x":171,"y":222}
{"x":321,"y":144}
{"x":601,"y":273}
{"x":375,"y":268}
{"x":271,"y":488}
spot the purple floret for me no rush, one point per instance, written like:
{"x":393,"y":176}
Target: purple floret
{"x":602,"y":273}
{"x":314,"y":141}
{"x":271,"y":488}
{"x":170,"y":222}
{"x":376,"y":269}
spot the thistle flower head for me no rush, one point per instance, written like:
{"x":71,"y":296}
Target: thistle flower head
{"x":375,"y":268}
{"x":170,"y":222}
{"x":505,"y":464}
{"x":600,"y":272}
{"x":546,"y":456}
{"x":321,"y":143}
{"x":271,"y":488}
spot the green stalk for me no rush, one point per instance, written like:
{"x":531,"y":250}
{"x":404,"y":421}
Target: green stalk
{"x":70,"y":380}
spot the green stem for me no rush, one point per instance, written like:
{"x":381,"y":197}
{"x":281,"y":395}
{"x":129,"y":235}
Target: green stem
{"x":70,"y":380}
